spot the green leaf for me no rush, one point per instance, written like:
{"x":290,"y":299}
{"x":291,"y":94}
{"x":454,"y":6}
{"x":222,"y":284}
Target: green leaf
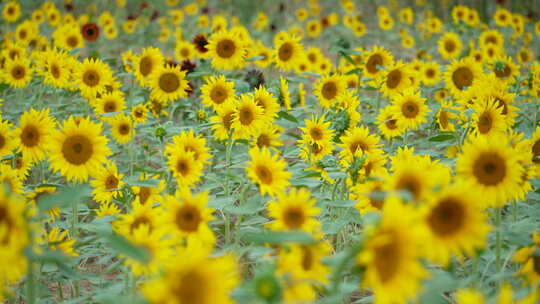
{"x":341,"y":203}
{"x":123,"y":246}
{"x":287,"y":116}
{"x":255,"y":58}
{"x":443,"y":137}
{"x":63,"y":197}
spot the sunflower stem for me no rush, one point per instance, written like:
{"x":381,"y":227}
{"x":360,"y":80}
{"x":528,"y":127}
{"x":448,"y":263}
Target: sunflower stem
{"x":31,"y":284}
{"x":498,"y":240}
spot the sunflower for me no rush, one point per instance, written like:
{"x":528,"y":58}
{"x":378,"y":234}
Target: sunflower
{"x":68,"y":37}
{"x":184,"y":168}
{"x":390,"y":255}
{"x":504,"y":68}
{"x":35,"y":128}
{"x":412,"y":178}
{"x":8,"y":140}
{"x":222,"y":121}
{"x":445,"y":115}
{"x":288,"y":50}
{"x":266,"y":100}
{"x":328,"y":89}
{"x":314,"y":152}
{"x":139,"y":113}
{"x":456,"y":222}
{"x":149,"y":194}
{"x":217,"y":91}
{"x":491,"y":167}
{"x":268,"y":137}
{"x":369,"y":195}
{"x":227,"y":50}
{"x":10,"y":178}
{"x":140,"y":215}
{"x":107,"y":182}
{"x":502,"y":17}
{"x":57,"y":68}
{"x":40,"y":192}
{"x":357,"y":142}
{"x":317,"y":131}
{"x":304,"y":262}
{"x":78,"y":149}
{"x":92,"y":76}
{"x":268,"y":171}
{"x":388,"y":123}
{"x":122,"y":129}
{"x":248,"y":117}
{"x":189,"y":141}
{"x":410,"y":108}
{"x":430,"y":73}
{"x":184,"y":50}
{"x":450,"y":46}
{"x":110,"y":104}
{"x":11,"y":11}
{"x":534,"y":146}
{"x":462,"y":75}
{"x":284,"y":94}
{"x":492,"y":37}
{"x":529,"y":260}
{"x":313,"y":28}
{"x":158,"y":249}
{"x":294,"y":210}
{"x":377,"y":59}
{"x":187,"y":217}
{"x":17,"y":72}
{"x":168,"y":83}
{"x":396,"y":79}
{"x":193,"y":277}
{"x":524,"y":56}
{"x":487,"y":118}
{"x":61,"y":241}
{"x":146,"y":63}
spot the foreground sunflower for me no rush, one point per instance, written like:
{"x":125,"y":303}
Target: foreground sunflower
{"x":35,"y":128}
{"x":268,"y":171}
{"x":77,"y":149}
{"x":491,"y":167}
{"x":456,"y":222}
{"x":461,"y":75}
{"x":92,"y":76}
{"x":194,"y":277}
{"x":390,"y":255}
{"x":294,"y":210}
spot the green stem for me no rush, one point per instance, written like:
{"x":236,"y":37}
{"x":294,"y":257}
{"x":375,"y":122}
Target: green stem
{"x":498,"y":240}
{"x":31,"y":284}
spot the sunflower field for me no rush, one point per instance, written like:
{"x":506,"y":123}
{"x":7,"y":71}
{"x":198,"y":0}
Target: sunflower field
{"x":239,"y":151}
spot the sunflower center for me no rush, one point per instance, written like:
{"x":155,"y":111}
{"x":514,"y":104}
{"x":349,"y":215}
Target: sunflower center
{"x":358,"y":144}
{"x":316,"y":149}
{"x":2,"y":141}
{"x":226,"y":48}
{"x":262,"y":141}
{"x":443,"y":119}
{"x":182,"y":166}
{"x":10,"y":11}
{"x":72,"y":41}
{"x":489,"y":169}
{"x":18,"y":161}
{"x":410,"y":183}
{"x":246,"y":116}
{"x":307,"y":258}
{"x":294,"y":217}
{"x":184,"y":53}
{"x":190,"y":288}
{"x":536,"y":263}
{"x":5,"y":219}
{"x":77,"y":149}
{"x":491,"y":39}
{"x":146,"y":66}
{"x":227,"y":120}
{"x":387,"y":260}
{"x":312,"y":57}
{"x":316,"y":133}
{"x":450,"y":46}
{"x":30,"y":136}
{"x":285,"y":51}
{"x":372,"y":63}
{"x":536,"y":152}
{"x":410,"y":109}
{"x":393,"y":79}
{"x":430,"y":73}
{"x":109,"y":106}
{"x":124,"y":128}
{"x":447,"y":218}
{"x":218,"y":95}
{"x":169,"y":82}
{"x":462,"y":77}
{"x":91,"y":78}
{"x":188,"y":218}
{"x":55,"y":71}
{"x":140,"y":220}
{"x":264,"y":174}
{"x":502,"y":104}
{"x":391,"y":123}
{"x":329,"y":90}
{"x":504,"y":72}
{"x":111,"y":182}
{"x":144,"y":194}
{"x":484,"y":123}
{"x":18,"y":72}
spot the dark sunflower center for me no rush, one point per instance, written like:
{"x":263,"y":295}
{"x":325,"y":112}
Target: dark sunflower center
{"x":489,"y":169}
{"x":443,"y":119}
{"x":447,"y":218}
{"x":294,"y":217}
{"x":262,"y":141}
{"x":504,"y":72}
{"x":77,"y":149}
{"x":430,"y":73}
{"x":372,"y":63}
{"x":30,"y":136}
{"x":410,"y":109}
{"x":358,"y":145}
{"x":146,"y":66}
{"x":393,"y":79}
{"x":450,"y":46}
{"x":316,"y":133}
{"x":18,"y":72}
{"x":191,"y":288}
{"x":286,"y":52}
{"x":218,"y":95}
{"x":144,"y":194}
{"x":411,"y":184}
{"x":124,"y":129}
{"x":264,"y":174}
{"x":2,"y":141}
{"x":391,"y":123}
{"x":111,"y":182}
{"x":316,"y":149}
{"x":226,"y":48}
{"x":169,"y":82}
{"x":329,"y":90}
{"x":246,"y":116}
{"x":91,"y":78}
{"x":307,"y":258}
{"x":376,"y":198}
{"x":140,"y":220}
{"x":227,"y":120}
{"x":462,"y":77}
{"x":536,"y":152}
{"x":484,"y":123}
{"x":502,"y":104}
{"x":55,"y":71}
{"x":109,"y":106}
{"x":182,"y":166}
{"x":188,"y":218}
{"x":5,"y":220}
{"x":72,"y":41}
{"x":536,"y":263}
{"x":387,"y":260}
